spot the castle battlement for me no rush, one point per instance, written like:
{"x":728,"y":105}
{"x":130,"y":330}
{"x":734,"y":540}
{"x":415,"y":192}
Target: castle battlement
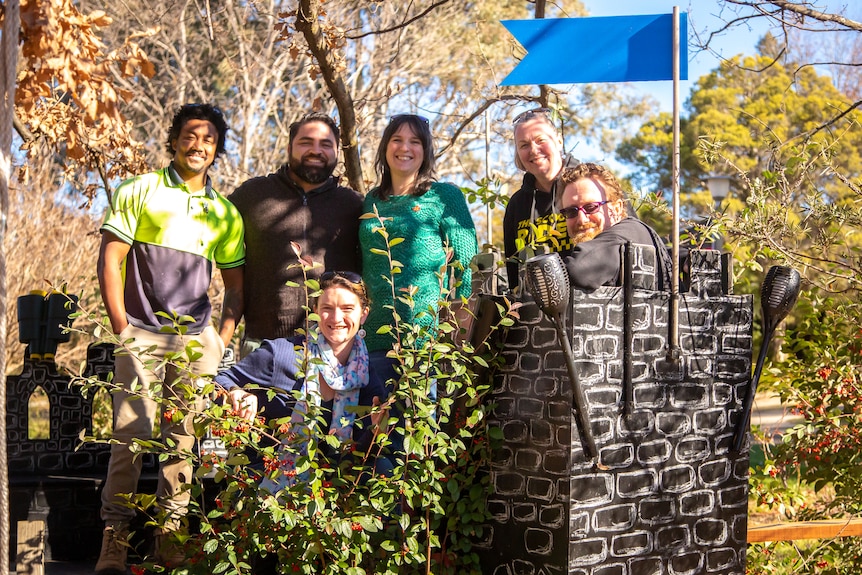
{"x":670,"y":496}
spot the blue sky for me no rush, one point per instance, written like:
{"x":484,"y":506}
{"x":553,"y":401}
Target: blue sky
{"x":703,"y":15}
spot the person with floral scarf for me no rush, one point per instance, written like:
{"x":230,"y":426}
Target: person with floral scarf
{"x":338,"y":378}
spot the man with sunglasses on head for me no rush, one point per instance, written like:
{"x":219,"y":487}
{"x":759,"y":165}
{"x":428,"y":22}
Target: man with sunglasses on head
{"x":595,"y":208}
{"x":303,"y":203}
{"x":161,"y":236}
{"x":532,"y":222}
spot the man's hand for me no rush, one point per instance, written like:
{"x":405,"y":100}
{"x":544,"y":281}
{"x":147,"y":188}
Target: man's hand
{"x":244,"y":404}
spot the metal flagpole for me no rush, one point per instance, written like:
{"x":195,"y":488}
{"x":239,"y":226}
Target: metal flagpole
{"x":673,"y":352}
{"x":488,"y":216}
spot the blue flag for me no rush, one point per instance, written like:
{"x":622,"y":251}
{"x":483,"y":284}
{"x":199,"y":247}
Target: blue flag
{"x":603,"y":49}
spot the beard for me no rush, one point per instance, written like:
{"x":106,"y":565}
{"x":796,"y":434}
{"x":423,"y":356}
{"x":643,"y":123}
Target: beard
{"x":311,"y":174}
{"x":585,"y":234}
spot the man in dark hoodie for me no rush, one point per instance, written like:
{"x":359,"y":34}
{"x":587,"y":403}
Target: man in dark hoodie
{"x":303,"y":203}
{"x":596,"y":211}
{"x":532,"y":221}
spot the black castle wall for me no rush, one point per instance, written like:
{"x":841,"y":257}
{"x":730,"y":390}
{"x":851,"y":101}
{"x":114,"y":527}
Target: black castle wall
{"x":673,"y":499}
{"x":59,"y":479}
{"x":70,"y":413}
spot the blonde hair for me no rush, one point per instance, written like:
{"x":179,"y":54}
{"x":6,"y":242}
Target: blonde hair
{"x":545,"y":119}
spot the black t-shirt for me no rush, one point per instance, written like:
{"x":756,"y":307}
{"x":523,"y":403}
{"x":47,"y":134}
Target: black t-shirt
{"x":532,"y":220}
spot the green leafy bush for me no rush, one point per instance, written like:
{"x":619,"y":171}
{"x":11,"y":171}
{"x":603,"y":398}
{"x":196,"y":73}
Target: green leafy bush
{"x":337,"y":516}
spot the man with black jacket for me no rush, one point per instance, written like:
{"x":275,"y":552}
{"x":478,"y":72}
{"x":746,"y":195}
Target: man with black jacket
{"x":595,"y":208}
{"x":301,"y":203}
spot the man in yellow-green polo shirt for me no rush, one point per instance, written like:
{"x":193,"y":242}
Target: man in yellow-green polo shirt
{"x":161,"y":236}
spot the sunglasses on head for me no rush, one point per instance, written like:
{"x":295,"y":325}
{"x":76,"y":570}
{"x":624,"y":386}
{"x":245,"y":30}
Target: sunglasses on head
{"x":401,"y":116}
{"x":529,"y":114}
{"x":589,"y":209}
{"x":352,"y":277}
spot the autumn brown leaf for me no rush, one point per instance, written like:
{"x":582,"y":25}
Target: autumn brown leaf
{"x":66,"y":95}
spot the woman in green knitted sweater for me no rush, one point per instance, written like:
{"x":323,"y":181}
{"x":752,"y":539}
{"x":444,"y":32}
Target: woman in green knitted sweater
{"x":430,"y":217}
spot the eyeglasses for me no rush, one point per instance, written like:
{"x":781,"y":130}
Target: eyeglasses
{"x":524,"y":116}
{"x":589,"y":209}
{"x":402,"y":116}
{"x":352,"y":277}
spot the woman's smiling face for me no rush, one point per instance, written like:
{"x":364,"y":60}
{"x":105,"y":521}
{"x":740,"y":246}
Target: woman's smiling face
{"x":341,"y":315}
{"x":404,"y":151}
{"x":539,"y":149}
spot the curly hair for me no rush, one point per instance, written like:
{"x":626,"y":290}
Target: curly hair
{"x":589,"y":170}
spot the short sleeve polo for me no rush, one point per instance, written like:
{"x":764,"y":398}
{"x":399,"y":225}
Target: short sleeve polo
{"x":175,"y":236}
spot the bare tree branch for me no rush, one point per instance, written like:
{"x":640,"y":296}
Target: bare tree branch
{"x":826,"y":63}
{"x":21,"y":128}
{"x":209,"y":20}
{"x":400,"y":25}
{"x":777,"y":10}
{"x":478,"y":112}
{"x":804,"y":10}
{"x":308,"y":24}
{"x":832,"y":121}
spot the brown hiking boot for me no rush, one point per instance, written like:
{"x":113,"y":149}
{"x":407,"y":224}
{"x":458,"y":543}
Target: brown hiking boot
{"x":169,"y":551}
{"x":115,"y":547}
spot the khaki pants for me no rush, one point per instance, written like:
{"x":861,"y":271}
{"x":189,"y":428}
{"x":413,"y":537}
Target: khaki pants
{"x":135,"y":412}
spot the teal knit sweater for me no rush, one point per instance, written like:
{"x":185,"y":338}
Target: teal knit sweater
{"x":428,"y":224}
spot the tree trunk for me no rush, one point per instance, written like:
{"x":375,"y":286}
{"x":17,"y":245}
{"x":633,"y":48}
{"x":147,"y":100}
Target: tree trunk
{"x":7,"y":113}
{"x":544,"y":92}
{"x":307,"y":23}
